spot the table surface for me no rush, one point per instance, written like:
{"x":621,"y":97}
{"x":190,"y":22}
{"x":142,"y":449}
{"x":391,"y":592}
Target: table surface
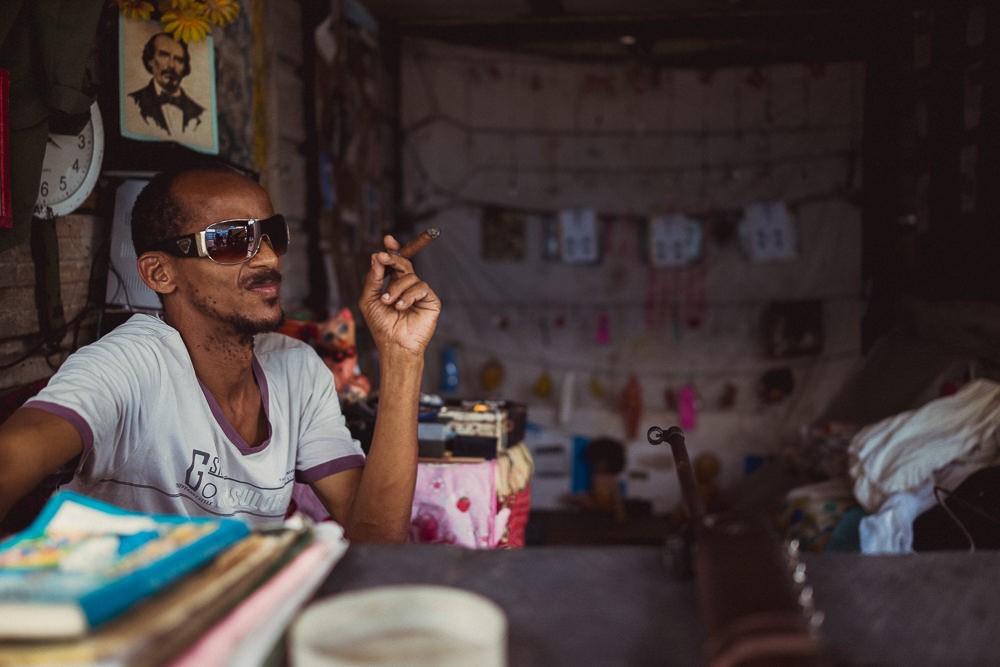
{"x":621,"y":605}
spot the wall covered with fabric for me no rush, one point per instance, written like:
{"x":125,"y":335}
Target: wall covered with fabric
{"x":624,"y":247}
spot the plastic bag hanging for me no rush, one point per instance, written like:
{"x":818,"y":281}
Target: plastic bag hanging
{"x":449,"y":370}
{"x":687,"y":407}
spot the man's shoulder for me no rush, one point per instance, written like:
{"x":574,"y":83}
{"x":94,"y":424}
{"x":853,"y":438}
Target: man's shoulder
{"x":141,"y":346}
{"x":139,"y":331}
{"x":141,"y":324}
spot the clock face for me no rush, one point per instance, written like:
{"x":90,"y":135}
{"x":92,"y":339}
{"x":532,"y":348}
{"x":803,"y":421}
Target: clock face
{"x":70,"y":169}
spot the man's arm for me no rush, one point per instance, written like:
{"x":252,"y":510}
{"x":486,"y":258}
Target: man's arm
{"x":374,"y":504}
{"x":33,"y":445}
{"x":380,"y":509}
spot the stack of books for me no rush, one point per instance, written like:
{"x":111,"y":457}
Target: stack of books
{"x":88,"y":583}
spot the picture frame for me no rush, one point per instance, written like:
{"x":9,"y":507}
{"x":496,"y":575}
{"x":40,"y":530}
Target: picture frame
{"x":166,"y":88}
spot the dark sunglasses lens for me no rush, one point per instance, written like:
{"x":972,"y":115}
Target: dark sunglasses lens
{"x":228,"y":242}
{"x":276,"y":231}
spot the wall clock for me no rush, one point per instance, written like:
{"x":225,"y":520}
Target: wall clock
{"x":70,"y":169}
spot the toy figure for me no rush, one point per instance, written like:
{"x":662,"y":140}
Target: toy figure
{"x":335,"y":342}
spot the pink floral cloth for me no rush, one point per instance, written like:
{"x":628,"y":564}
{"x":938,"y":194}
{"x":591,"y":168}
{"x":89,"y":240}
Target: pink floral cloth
{"x":456,"y":503}
{"x":453,"y":503}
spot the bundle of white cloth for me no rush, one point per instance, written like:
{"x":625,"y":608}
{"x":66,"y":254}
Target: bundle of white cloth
{"x":895,"y":463}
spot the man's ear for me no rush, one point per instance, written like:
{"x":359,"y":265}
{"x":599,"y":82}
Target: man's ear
{"x":156,"y":272}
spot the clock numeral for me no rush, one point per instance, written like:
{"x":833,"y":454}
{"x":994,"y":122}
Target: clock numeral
{"x":70,"y":168}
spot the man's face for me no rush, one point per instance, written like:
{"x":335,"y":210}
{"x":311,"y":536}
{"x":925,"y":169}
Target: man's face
{"x":168,"y":63}
{"x":244,"y":299}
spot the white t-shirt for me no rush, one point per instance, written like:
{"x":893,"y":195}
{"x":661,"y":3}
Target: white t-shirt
{"x":155,"y":440}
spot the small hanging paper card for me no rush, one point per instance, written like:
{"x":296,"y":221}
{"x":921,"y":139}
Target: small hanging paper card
{"x":768,"y":232}
{"x":674,"y":240}
{"x":578,"y":236}
{"x":502,"y":234}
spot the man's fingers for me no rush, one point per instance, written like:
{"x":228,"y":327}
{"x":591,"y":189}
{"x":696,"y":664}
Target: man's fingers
{"x":398,"y":290}
{"x":376,"y":276}
{"x":403,"y":287}
{"x":391,"y":244}
{"x":398,"y":269}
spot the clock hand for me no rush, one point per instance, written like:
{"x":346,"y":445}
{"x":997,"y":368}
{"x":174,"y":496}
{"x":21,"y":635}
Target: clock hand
{"x":53,"y":142}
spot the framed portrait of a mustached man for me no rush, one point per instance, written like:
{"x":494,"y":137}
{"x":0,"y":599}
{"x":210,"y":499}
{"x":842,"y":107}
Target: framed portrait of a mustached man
{"x":167,"y":87}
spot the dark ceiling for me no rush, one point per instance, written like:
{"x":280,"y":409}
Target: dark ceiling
{"x":664,"y":32}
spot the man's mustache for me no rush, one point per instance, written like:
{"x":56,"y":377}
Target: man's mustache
{"x":265,"y":277}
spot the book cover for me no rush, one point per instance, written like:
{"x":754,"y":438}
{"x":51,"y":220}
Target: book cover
{"x":163,"y":626}
{"x":251,"y":634}
{"x":83,"y":562}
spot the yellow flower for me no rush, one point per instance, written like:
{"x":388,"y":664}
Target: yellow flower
{"x":139,"y":10}
{"x":186,"y":20}
{"x":221,"y":12}
{"x":186,"y":25}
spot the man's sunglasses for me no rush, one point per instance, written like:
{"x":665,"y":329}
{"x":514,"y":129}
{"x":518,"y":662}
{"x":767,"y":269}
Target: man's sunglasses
{"x":231,"y":241}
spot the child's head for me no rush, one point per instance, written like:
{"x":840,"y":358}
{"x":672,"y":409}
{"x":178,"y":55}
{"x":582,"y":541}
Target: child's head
{"x":605,"y":455}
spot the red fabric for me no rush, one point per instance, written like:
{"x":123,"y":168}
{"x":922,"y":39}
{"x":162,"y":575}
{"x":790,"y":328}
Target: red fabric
{"x":520,"y":506}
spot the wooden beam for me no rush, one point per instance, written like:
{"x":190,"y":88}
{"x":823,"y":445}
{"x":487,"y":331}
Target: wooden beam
{"x":825,"y":34}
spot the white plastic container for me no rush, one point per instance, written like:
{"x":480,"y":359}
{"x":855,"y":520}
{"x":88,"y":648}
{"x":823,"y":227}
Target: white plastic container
{"x":404,"y":626}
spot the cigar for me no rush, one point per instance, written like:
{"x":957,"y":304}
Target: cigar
{"x":419,"y":243}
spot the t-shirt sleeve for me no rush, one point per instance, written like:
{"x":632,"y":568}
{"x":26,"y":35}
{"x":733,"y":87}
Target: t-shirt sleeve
{"x":93,"y":390}
{"x":325,"y":445}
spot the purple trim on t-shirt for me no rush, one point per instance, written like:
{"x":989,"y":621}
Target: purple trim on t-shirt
{"x":330,"y":467}
{"x":75,"y":420}
{"x":242,"y":445}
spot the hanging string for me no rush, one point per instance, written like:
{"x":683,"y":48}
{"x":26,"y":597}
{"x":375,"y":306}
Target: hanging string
{"x":444,"y":118}
{"x":512,"y":183}
{"x":600,"y":87}
{"x":452,"y":196}
{"x":515,"y":357}
{"x":715,"y":304}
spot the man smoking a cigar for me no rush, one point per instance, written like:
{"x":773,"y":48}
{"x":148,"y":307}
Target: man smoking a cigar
{"x":206,"y":411}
